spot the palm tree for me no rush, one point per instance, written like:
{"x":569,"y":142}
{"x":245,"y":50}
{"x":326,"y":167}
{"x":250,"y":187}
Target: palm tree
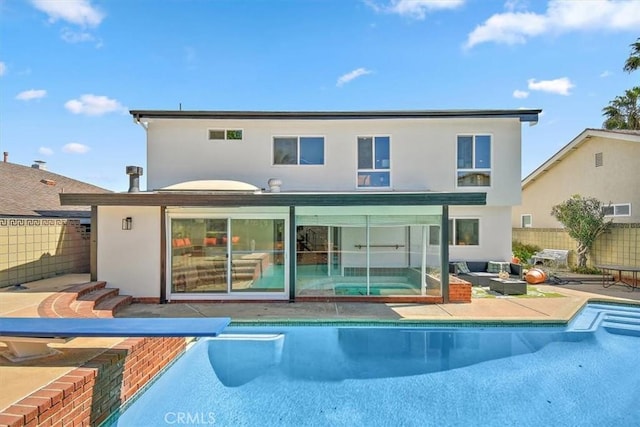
{"x":633,"y":62}
{"x":624,"y":111}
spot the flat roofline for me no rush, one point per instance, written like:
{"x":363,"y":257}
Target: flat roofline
{"x":227,"y":199}
{"x":529,"y":115}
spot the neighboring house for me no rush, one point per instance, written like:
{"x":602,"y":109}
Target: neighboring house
{"x":310,"y":205}
{"x":599,"y":163}
{"x":39,"y":238}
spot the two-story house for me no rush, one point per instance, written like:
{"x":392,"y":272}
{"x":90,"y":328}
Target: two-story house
{"x":597,"y":163}
{"x":310,"y":205}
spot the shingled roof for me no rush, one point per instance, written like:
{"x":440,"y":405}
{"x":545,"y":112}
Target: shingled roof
{"x":32,"y":192}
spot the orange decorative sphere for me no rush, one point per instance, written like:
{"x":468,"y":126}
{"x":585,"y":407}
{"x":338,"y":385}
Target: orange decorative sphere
{"x":535,"y":275}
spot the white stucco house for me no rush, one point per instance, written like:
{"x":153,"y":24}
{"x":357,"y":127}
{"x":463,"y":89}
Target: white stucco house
{"x":309,"y":205}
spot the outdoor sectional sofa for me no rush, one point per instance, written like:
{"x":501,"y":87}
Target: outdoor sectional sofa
{"x":481,"y":272}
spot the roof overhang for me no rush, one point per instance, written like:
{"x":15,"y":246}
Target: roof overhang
{"x":226,"y":199}
{"x":529,"y":115}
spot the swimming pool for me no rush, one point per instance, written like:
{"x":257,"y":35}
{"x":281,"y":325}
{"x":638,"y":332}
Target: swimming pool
{"x":583,"y":374}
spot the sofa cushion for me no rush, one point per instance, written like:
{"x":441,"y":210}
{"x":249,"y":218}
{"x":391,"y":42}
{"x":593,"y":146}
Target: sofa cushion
{"x":462,"y":267}
{"x":497,"y":266}
{"x":477,"y":265}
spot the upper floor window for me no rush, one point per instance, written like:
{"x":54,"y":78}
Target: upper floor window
{"x":526,"y":221}
{"x":464,"y":231}
{"x":294,"y":150}
{"x":225,"y":134}
{"x":374,"y":167}
{"x":474,"y":160}
{"x":622,"y":209}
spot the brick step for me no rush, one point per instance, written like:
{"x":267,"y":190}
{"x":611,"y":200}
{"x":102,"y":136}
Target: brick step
{"x":80,"y":301}
{"x":95,"y":297}
{"x":87,"y":302}
{"x":108,"y":307}
{"x":85,"y":288}
{"x":60,"y":304}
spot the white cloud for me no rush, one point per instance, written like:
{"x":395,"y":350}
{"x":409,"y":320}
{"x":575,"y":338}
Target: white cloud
{"x":561,"y":16}
{"x":75,"y":148}
{"x":559,"y":86}
{"x":45,"y":151}
{"x":28,"y":95}
{"x":71,"y":36}
{"x":346,"y":78}
{"x":78,"y":12}
{"x":3,"y":68}
{"x":606,"y":73}
{"x":416,"y":9}
{"x":93,"y":105}
{"x":520,"y":94}
{"x":513,"y":5}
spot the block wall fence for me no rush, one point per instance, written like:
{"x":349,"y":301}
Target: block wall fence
{"x":619,"y":245}
{"x":88,"y":395}
{"x":33,"y":249}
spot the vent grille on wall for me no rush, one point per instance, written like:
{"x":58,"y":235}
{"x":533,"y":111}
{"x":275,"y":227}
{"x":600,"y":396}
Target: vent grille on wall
{"x":599,"y":161}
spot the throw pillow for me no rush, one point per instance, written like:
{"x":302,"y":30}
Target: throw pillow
{"x":462,"y":267}
{"x":497,"y":267}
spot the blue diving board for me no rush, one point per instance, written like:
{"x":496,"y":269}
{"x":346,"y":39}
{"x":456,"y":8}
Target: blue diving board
{"x":43,"y":327}
{"x":29,"y":337}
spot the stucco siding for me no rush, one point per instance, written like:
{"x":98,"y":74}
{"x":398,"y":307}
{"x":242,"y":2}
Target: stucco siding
{"x":495,"y":234}
{"x":423,"y":153}
{"x":617,"y":181}
{"x":130,"y":259}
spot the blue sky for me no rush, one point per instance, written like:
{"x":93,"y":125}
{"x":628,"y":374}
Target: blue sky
{"x":71,"y":69}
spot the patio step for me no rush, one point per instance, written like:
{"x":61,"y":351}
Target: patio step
{"x":110,"y":306}
{"x":86,"y":303}
{"x":90,"y":299}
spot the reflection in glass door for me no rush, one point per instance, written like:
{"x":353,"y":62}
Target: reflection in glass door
{"x":257,"y":255}
{"x":222,"y":255}
{"x":199,"y":255}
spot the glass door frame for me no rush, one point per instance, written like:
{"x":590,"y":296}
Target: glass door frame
{"x":228,"y":215}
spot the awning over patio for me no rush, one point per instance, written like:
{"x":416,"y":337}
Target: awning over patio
{"x":236,"y":199}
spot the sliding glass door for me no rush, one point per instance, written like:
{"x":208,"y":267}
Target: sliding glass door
{"x":227,"y":255}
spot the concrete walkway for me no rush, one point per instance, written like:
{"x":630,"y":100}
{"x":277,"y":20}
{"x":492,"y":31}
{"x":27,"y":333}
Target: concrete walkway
{"x":18,"y":380}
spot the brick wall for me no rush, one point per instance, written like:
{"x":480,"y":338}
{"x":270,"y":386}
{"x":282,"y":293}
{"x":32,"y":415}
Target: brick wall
{"x":459,"y":290}
{"x":88,"y":395}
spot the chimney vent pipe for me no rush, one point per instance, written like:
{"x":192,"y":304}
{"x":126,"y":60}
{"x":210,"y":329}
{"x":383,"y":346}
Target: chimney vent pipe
{"x":39,"y":164}
{"x":6,"y":156}
{"x":134,"y":173}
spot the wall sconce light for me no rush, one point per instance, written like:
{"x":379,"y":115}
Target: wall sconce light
{"x":127,"y":223}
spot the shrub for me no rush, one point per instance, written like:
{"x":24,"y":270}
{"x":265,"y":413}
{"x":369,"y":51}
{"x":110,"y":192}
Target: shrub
{"x":586,"y":270}
{"x":523,"y":251}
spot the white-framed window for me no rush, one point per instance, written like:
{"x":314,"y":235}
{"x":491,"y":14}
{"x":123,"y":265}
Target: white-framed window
{"x":224,"y":134}
{"x":620,"y":209}
{"x":298,"y":150}
{"x":526,"y":220}
{"x":464,"y":232}
{"x":474,"y":161}
{"x":374,"y":161}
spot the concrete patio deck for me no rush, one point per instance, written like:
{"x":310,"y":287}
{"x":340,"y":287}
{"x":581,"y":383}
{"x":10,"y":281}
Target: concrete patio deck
{"x":20,"y":379}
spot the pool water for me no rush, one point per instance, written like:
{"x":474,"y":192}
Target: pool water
{"x":352,"y":289}
{"x":583,"y":374}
